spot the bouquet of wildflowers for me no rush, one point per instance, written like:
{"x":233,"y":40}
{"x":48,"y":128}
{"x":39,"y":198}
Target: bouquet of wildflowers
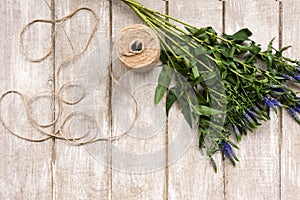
{"x":233,"y":83}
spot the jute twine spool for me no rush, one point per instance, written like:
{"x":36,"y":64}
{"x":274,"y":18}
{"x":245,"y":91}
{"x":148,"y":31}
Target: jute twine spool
{"x":138,"y":47}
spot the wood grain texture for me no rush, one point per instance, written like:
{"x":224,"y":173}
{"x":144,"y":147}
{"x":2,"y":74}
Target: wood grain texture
{"x":269,"y":166}
{"x":290,"y":148}
{"x":131,"y":176}
{"x":257,"y":174}
{"x":25,"y":167}
{"x":80,"y":172}
{"x":191,"y":175}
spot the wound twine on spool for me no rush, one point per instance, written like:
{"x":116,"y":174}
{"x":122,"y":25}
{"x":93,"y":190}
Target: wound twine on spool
{"x":138,"y":48}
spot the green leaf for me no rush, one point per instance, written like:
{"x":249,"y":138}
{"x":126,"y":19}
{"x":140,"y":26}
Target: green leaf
{"x":241,"y":35}
{"x":249,"y":77}
{"x":270,"y":46}
{"x":237,"y":133}
{"x":178,"y":51}
{"x":214,"y":165}
{"x":164,"y":56}
{"x":207,"y":111}
{"x":165,"y":76}
{"x":186,"y":62}
{"x":210,"y":29}
{"x":234,"y":145}
{"x":164,"y":81}
{"x":255,"y":49}
{"x":185,"y":109}
{"x":171,"y":99}
{"x":238,"y":137}
{"x":242,"y":47}
{"x":232,"y":52}
{"x":284,"y":49}
{"x":195,"y":72}
{"x":270,"y":61}
{"x":202,"y":132}
{"x":194,"y":62}
{"x":200,"y":31}
{"x":209,"y":75}
{"x":191,"y":30}
{"x":159,"y":93}
{"x":200,"y":50}
{"x":225,"y":51}
{"x":224,"y":74}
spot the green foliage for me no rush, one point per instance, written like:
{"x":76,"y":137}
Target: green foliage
{"x":203,"y":64}
{"x":240,"y":36}
{"x":164,"y":80}
{"x":171,"y":99}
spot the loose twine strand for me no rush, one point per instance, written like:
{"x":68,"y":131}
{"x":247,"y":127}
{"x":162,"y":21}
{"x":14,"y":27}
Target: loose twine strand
{"x":58,"y":131}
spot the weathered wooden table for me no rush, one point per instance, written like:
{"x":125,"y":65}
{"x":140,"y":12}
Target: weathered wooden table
{"x":269,"y":166}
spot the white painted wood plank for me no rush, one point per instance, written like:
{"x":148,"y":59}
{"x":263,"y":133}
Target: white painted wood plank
{"x":25,"y":167}
{"x":80,"y":171}
{"x":192,"y":176}
{"x":257,"y":174}
{"x":290,"y":148}
{"x":146,"y":138}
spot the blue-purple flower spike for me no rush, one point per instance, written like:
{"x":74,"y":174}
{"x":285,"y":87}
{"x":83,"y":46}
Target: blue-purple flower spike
{"x":241,"y":125}
{"x":297,"y":108}
{"x":228,"y":152}
{"x":297,"y":77}
{"x":256,"y":108}
{"x":252,"y":113}
{"x":278,"y":88}
{"x":237,"y":132}
{"x":247,"y":116}
{"x":288,"y":77}
{"x":268,"y":102}
{"x":249,"y":119}
{"x":276,"y":103}
{"x":294,"y":114}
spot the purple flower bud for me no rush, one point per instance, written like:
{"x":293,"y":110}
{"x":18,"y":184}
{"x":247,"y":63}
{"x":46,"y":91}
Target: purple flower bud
{"x":275,"y":86}
{"x":235,"y":129}
{"x":297,"y":109}
{"x":278,"y":88}
{"x":288,"y":77}
{"x":256,"y":108}
{"x":294,"y":114}
{"x":276,"y":103}
{"x":249,"y":119}
{"x":268,"y":102}
{"x":298,"y":68}
{"x":252,"y":113}
{"x":297,"y":77}
{"x":241,"y":124}
{"x":246,"y":115}
{"x":228,"y":152}
{"x":276,"y":93}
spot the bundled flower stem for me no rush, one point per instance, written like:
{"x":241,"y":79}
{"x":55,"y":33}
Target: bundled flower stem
{"x":251,"y":83}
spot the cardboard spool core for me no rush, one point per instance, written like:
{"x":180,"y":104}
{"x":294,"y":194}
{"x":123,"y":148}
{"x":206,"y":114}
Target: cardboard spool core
{"x":137,"y":46}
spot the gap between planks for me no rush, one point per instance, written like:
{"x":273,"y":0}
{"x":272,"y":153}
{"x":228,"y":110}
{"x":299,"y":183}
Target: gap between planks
{"x":167,"y":11}
{"x":53,"y":60}
{"x":280,"y":113}
{"x":110,"y":118}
